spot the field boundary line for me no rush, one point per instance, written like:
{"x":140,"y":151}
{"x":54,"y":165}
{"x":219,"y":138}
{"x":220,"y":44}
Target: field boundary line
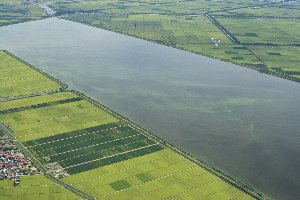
{"x":42,"y":105}
{"x":124,"y":152}
{"x":111,"y":148}
{"x":67,"y":138}
{"x":93,"y":145}
{"x":158,"y":178}
{"x":124,"y":169}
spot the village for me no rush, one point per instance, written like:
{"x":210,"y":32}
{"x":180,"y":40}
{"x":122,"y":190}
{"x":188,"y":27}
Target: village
{"x":13,"y":163}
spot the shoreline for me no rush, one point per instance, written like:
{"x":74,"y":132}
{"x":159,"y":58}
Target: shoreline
{"x":272,"y":73}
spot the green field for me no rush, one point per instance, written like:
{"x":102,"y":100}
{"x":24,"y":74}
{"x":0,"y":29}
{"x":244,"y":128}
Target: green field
{"x":278,"y":10}
{"x":47,"y":121}
{"x":19,"y":79}
{"x":160,"y":175}
{"x":33,"y":187}
{"x":270,"y":32}
{"x":264,"y":31}
{"x":12,"y":12}
{"x":94,"y":147}
{"x":280,"y":58}
{"x":36,"y":100}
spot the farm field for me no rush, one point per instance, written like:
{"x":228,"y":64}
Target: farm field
{"x":280,"y":58}
{"x":47,"y":121}
{"x":159,"y":175}
{"x":278,"y":10}
{"x":10,"y":105}
{"x":33,"y":188}
{"x":19,"y":79}
{"x":13,"y":11}
{"x":170,"y":7}
{"x":263,"y":31}
{"x":94,"y":147}
{"x":270,"y":32}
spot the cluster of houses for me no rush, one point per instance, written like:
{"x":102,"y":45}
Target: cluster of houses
{"x":12,"y":162}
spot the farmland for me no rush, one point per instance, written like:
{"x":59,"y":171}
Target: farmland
{"x":101,"y":153}
{"x":263,"y":31}
{"x":283,"y":59}
{"x":270,"y":32}
{"x":54,"y":119}
{"x":93,"y":147}
{"x":87,"y":141}
{"x":13,"y":11}
{"x":238,"y":27}
{"x":159,"y":175}
{"x":36,"y":100}
{"x":33,"y":188}
{"x":18,"y":79}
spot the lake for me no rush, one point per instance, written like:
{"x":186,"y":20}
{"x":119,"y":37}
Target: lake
{"x":236,"y":119}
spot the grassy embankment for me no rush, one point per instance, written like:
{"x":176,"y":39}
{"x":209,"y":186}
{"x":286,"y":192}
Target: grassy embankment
{"x":105,"y":154}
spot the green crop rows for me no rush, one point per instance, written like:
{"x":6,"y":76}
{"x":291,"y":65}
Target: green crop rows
{"x":52,"y":120}
{"x":19,"y":103}
{"x":40,"y":105}
{"x":158,"y":175}
{"x":93,"y":147}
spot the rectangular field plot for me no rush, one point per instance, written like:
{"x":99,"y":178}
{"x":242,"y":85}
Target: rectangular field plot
{"x":282,"y":59}
{"x":52,"y":120}
{"x":278,"y":10}
{"x":16,"y":78}
{"x":159,"y":175}
{"x":274,"y":31}
{"x":33,"y":188}
{"x":94,"y":147}
{"x":19,"y":103}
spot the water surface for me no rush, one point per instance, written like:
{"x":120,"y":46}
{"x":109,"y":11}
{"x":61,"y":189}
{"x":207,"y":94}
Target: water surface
{"x":241,"y":121}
